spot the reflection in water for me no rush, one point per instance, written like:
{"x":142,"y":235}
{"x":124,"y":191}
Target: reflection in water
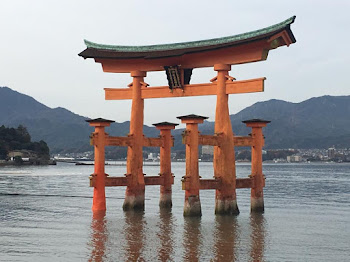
{"x":192,"y":238}
{"x":225,"y":238}
{"x":257,"y":237}
{"x":166,"y":235}
{"x":99,"y":236}
{"x":132,"y":244}
{"x":134,"y":235}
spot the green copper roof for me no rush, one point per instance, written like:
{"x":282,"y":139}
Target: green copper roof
{"x":195,"y":44}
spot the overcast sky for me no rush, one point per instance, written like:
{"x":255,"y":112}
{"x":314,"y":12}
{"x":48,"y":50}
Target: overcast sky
{"x":41,"y":39}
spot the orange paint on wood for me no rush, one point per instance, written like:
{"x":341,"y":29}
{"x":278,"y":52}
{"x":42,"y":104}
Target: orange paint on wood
{"x":125,"y":181}
{"x":119,"y":141}
{"x":244,"y":183}
{"x":209,"y":184}
{"x":165,"y":200}
{"x":215,"y":140}
{"x":192,"y":206}
{"x":252,"y":52}
{"x":257,"y":195}
{"x":235,"y":87}
{"x":153,"y":141}
{"x":135,"y":191}
{"x":242,"y":140}
{"x":99,"y":197}
{"x":224,"y":158}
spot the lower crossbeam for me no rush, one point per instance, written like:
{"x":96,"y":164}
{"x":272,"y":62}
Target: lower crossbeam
{"x":123,"y":181}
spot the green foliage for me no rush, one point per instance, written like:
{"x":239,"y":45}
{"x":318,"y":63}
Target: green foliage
{"x":320,"y":122}
{"x":19,"y":139}
{"x":18,"y":160}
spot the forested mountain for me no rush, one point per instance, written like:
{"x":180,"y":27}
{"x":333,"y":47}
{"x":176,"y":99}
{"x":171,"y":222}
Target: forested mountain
{"x":63,"y":130}
{"x":319,"y":122}
{"x":315,"y":123}
{"x":19,"y":139}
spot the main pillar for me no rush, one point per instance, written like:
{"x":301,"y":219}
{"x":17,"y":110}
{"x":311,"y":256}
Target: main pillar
{"x":192,"y":206}
{"x":99,"y":138}
{"x":165,"y":128}
{"x":257,"y":195}
{"x":224,"y":155}
{"x":135,"y":191}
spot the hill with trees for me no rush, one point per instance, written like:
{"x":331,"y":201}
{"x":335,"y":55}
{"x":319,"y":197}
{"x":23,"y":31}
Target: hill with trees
{"x":319,"y":122}
{"x":12,"y":139}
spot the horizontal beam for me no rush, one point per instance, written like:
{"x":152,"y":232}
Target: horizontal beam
{"x":210,"y":140}
{"x":243,"y":141}
{"x":244,"y":183}
{"x":116,"y":181}
{"x":123,"y":181}
{"x":119,"y":141}
{"x":153,"y":141}
{"x":209,"y":184}
{"x":205,"y":184}
{"x":111,"y":181}
{"x":154,"y":180}
{"x":235,"y":87}
{"x":128,"y":141}
{"x":216,"y":140}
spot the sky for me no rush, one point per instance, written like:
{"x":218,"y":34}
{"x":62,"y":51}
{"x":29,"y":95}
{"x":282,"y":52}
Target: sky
{"x":41,"y":39}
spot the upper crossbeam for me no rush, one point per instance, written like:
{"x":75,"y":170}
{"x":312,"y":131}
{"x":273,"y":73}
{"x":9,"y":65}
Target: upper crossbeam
{"x":232,"y":87}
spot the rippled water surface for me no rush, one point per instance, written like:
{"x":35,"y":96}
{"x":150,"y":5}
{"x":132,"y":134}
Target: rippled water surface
{"x":45,"y":215}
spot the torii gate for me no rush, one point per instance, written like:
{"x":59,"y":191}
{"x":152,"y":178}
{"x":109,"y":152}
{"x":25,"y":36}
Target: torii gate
{"x":178,"y":60}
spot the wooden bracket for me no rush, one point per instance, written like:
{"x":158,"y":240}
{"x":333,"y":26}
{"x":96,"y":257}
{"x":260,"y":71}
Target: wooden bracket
{"x":186,"y":137}
{"x":143,"y":84}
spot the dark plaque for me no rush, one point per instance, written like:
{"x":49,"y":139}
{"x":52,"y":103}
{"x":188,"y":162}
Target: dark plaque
{"x":173,"y":74}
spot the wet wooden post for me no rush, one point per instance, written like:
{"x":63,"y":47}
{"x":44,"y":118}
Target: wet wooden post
{"x":190,"y":182}
{"x":165,"y":200}
{"x":99,"y":142}
{"x":224,"y":155}
{"x":257,"y":195}
{"x":135,"y":191}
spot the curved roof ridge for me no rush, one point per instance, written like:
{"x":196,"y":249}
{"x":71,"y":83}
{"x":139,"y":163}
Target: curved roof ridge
{"x":193,"y":44}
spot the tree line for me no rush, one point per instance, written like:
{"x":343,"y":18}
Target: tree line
{"x":19,"y":139}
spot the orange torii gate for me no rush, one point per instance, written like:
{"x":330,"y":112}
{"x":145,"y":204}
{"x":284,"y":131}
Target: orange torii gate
{"x":178,"y":61}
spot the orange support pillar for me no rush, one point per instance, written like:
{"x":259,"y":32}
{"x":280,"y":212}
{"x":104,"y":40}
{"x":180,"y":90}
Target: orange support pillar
{"x":191,"y":183}
{"x":135,"y":191}
{"x":257,"y":196}
{"x":99,"y":141}
{"x":224,"y":155}
{"x":165,"y":200}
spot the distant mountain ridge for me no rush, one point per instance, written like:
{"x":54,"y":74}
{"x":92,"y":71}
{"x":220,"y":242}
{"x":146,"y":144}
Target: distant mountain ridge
{"x":63,"y":130}
{"x":318,"y":122}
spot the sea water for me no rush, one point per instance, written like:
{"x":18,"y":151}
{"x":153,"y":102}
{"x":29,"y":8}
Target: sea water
{"x":45,"y":215}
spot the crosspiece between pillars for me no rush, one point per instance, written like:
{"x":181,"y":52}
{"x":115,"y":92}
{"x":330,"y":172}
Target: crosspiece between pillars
{"x":235,"y":87}
{"x":217,"y":140}
{"x":128,"y":141}
{"x":125,"y":181}
{"x":216,"y":183}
